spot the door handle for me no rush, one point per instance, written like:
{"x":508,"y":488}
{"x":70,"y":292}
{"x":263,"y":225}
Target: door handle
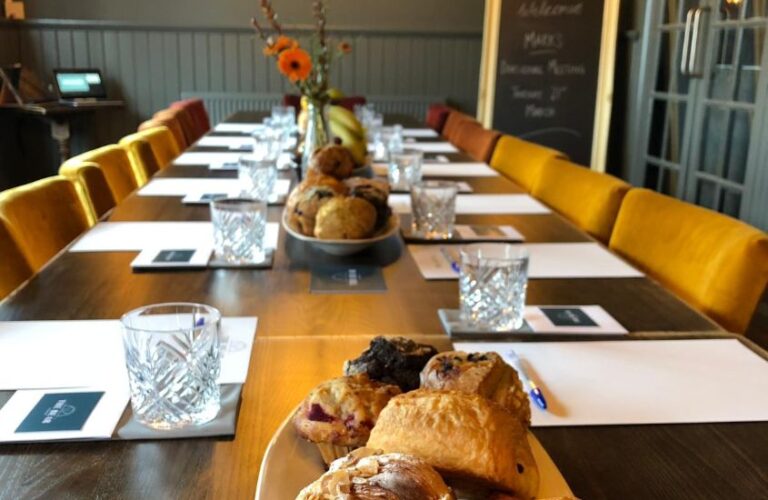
{"x":693,"y":60}
{"x":684,"y":64}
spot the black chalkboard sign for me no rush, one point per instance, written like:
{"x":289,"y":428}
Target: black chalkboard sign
{"x":547,"y":72}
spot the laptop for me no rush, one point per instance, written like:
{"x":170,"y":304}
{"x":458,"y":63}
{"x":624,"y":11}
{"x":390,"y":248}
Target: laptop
{"x":81,"y":87}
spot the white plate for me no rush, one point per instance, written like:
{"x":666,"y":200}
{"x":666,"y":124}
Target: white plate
{"x":291,"y":463}
{"x":345,"y":247}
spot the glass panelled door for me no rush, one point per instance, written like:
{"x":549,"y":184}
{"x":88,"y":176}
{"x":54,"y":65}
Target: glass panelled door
{"x":704,"y":94}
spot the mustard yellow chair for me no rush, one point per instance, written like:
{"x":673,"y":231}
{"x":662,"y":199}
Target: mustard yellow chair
{"x":590,"y":200}
{"x":14,"y":268}
{"x":521,"y":161}
{"x":717,"y":264}
{"x":171,"y":123}
{"x":141,"y":155}
{"x":161,"y":141}
{"x":117,"y":168}
{"x":43,"y":217}
{"x":91,"y":186}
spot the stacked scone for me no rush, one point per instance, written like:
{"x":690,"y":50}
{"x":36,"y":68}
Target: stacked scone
{"x":464,"y":426}
{"x":330,"y":204}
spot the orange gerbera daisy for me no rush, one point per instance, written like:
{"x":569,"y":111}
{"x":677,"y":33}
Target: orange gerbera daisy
{"x":282,"y":43}
{"x":294,"y":63}
{"x":345,"y":47}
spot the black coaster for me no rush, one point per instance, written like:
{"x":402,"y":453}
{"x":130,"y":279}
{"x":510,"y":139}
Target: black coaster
{"x":455,"y":328}
{"x":347,"y":279}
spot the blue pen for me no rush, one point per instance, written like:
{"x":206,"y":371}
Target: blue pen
{"x":447,"y":254}
{"x":536,"y":395}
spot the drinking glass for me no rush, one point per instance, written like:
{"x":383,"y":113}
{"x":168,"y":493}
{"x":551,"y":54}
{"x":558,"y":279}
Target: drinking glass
{"x":257,"y":177}
{"x":267,"y":141}
{"x":433,"y":207}
{"x":492,"y":282}
{"x":404,"y":169}
{"x":239,"y":225}
{"x":395,"y":141}
{"x":172,"y":357}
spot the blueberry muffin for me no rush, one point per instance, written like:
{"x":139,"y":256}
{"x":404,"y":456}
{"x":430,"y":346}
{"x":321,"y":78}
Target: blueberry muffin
{"x":395,"y":360}
{"x":370,"y":475}
{"x":304,"y":207}
{"x":333,"y":160}
{"x":485,"y":374}
{"x":338,"y":414}
{"x":345,"y":218}
{"x":375,"y":192}
{"x":317,"y":178}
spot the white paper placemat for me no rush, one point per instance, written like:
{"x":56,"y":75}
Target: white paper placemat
{"x":427,"y":147}
{"x":138,"y":236}
{"x":217,"y":141}
{"x":642,"y":382}
{"x":238,"y":128}
{"x":546,"y":260}
{"x":447,"y":170}
{"x":88,"y":353}
{"x":199,"y":158}
{"x":480,"y":204}
{"x":419,"y":132}
{"x":180,"y":186}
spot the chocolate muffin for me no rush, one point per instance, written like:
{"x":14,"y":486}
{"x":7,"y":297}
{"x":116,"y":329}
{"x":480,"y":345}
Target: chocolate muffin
{"x":374,"y":192}
{"x":395,"y":360}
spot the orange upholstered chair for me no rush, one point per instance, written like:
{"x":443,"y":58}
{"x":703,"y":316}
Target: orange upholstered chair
{"x":172,"y":124}
{"x":476,"y":140}
{"x":715,"y":263}
{"x":162,"y":145}
{"x":43,"y":217}
{"x":185,"y":120}
{"x":437,"y":114}
{"x":521,"y":161}
{"x":91,"y":186}
{"x":452,"y":124}
{"x":117,"y":168}
{"x":196,"y":110}
{"x":14,"y":268}
{"x":589,"y":199}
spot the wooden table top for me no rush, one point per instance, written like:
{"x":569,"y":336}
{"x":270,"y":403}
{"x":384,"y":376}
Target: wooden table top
{"x":303,"y":339}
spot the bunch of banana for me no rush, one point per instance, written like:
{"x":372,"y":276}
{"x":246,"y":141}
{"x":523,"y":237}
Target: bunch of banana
{"x":345,"y":126}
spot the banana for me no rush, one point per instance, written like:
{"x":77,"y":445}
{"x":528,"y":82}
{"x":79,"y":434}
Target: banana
{"x":345,"y":117}
{"x":358,"y":147}
{"x":335,"y":93}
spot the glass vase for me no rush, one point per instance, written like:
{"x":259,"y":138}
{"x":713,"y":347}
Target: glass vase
{"x":316,"y":133}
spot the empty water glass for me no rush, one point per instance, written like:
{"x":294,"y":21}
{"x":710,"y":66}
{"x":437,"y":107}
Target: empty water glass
{"x":492,"y":285}
{"x":433,"y":207}
{"x":172,"y":357}
{"x":257,"y":177}
{"x":404,"y":169}
{"x":267,"y":141}
{"x":239,"y":225}
{"x":395,"y":141}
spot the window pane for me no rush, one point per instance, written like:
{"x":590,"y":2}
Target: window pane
{"x":655,"y":136}
{"x":731,"y":203}
{"x":651,"y":176}
{"x":705,"y":194}
{"x":668,"y":78}
{"x":750,"y":57}
{"x":713,"y":140}
{"x":668,"y":184}
{"x":673,"y":131}
{"x":755,"y":8}
{"x":736,"y":166}
{"x":721,"y":80}
{"x":676,"y":10}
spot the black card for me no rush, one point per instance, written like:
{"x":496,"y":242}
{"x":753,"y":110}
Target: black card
{"x":61,"y":412}
{"x":176,"y":256}
{"x":347,"y":279}
{"x":213,"y":196}
{"x":567,"y":316}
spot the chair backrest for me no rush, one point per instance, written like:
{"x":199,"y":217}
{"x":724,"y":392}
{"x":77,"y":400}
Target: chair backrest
{"x":116,"y":166}
{"x":589,"y":199}
{"x":437,"y":114}
{"x":183,"y":117}
{"x":715,"y":263}
{"x":452,"y":123}
{"x":292,"y":100}
{"x":162,"y":142}
{"x":476,"y":140}
{"x":172,"y":124}
{"x":92,"y":187}
{"x":43,"y":217}
{"x":196,"y":110}
{"x":14,"y":268}
{"x":141,"y":155}
{"x":521,"y":161}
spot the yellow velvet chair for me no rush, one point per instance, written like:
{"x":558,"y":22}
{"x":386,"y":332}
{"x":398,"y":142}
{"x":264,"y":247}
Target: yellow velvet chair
{"x":43,"y":217}
{"x":141,"y":155}
{"x":160,"y":139}
{"x":117,"y":168}
{"x":172,"y":124}
{"x":590,"y":200}
{"x":14,"y":268}
{"x":91,"y":186}
{"x":717,"y":264}
{"x":521,"y":161}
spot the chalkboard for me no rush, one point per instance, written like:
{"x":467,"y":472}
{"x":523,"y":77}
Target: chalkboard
{"x":547,"y":73}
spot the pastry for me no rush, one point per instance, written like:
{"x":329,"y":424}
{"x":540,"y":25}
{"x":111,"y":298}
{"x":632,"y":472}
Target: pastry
{"x":395,"y":360}
{"x":376,"y":192}
{"x":338,"y":414}
{"x":345,"y":218}
{"x":485,"y":374}
{"x":317,"y":178}
{"x":368,"y":475}
{"x":334,"y":160}
{"x":466,"y":437}
{"x":306,"y":205}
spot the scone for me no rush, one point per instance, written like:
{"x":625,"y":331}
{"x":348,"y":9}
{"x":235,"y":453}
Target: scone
{"x":345,"y":218}
{"x":395,"y":360}
{"x":368,"y":475}
{"x":485,"y":374}
{"x":466,"y":437}
{"x":375,"y":192}
{"x":305,"y":207}
{"x":333,"y":160}
{"x":317,"y":178}
{"x":338,"y":414}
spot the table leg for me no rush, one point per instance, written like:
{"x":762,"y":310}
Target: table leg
{"x":60,"y":133}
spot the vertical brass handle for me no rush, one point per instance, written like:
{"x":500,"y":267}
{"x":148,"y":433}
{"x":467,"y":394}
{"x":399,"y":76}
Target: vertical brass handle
{"x":684,"y":64}
{"x":695,"y":42}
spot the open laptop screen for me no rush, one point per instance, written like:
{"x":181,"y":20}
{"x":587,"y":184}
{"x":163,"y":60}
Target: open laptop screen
{"x":73,"y":83}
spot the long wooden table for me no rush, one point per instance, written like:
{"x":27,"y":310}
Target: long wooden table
{"x":303,"y":339}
